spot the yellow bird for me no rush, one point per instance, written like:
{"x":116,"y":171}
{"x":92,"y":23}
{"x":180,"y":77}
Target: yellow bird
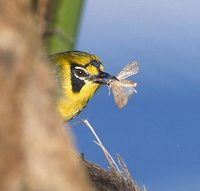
{"x":79,"y":75}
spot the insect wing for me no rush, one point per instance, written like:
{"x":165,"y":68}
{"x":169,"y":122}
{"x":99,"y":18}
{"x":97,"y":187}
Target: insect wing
{"x":122,"y":90}
{"x":129,"y":70}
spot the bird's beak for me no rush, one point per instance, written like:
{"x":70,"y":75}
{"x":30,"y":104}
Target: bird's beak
{"x":103,"y":78}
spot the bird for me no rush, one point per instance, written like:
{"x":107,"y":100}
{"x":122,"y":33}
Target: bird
{"x":78,"y":76}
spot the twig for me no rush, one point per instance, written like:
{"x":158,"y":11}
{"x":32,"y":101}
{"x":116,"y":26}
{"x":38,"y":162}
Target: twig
{"x":110,"y":160}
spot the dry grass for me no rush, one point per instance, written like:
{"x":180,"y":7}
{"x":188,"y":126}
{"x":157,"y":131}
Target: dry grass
{"x":119,"y":168}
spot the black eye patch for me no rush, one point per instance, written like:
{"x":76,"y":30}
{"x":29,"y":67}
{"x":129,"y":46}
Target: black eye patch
{"x":76,"y":82}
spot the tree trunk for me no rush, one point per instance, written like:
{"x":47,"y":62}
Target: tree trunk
{"x":36,"y":152}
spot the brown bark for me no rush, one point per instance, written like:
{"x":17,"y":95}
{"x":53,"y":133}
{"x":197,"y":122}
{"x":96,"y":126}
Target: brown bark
{"x":36,"y":152}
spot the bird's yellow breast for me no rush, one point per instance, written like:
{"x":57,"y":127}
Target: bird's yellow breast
{"x":71,"y":104}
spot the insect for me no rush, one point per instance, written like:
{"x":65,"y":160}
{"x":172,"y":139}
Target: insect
{"x":121,"y":88}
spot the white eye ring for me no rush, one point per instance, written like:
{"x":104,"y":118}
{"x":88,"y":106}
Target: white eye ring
{"x":80,"y":73}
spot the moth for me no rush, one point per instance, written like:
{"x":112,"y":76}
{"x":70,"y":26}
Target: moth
{"x":123,"y":89}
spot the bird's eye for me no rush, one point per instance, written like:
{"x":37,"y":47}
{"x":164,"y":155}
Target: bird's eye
{"x":80,"y":72}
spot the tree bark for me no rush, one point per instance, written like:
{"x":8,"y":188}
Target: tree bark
{"x":36,"y":152}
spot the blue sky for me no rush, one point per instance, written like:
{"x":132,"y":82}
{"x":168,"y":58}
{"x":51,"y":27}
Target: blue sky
{"x":157,"y":133}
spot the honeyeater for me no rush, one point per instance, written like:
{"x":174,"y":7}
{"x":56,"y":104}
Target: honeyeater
{"x":78,"y":75}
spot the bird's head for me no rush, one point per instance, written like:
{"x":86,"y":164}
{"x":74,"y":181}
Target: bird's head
{"x":79,"y":76}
